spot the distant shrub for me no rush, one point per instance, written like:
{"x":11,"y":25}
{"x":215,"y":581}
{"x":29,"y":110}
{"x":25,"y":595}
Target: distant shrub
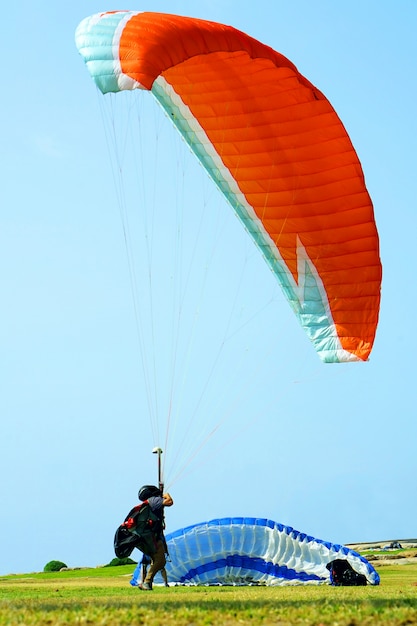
{"x":54,"y":566}
{"x":116,"y":561}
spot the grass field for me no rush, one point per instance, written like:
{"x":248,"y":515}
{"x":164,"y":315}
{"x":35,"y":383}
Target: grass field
{"x":103,"y":596}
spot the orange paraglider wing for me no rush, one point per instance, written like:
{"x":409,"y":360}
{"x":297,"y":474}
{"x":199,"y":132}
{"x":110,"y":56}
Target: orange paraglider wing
{"x":276,"y":149}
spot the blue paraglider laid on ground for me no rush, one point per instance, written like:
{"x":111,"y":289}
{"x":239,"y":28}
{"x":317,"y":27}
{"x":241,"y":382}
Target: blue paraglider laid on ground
{"x":248,"y":550}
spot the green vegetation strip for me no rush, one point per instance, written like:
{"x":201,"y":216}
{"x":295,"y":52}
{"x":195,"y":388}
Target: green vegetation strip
{"x":103,"y":596}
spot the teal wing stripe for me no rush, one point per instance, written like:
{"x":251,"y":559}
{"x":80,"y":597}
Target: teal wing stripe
{"x":94,"y":39}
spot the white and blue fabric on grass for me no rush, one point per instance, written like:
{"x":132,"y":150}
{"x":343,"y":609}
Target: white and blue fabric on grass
{"x":248,"y":550}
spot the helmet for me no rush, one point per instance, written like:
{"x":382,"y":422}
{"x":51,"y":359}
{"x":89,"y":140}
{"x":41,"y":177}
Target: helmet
{"x":147,"y":491}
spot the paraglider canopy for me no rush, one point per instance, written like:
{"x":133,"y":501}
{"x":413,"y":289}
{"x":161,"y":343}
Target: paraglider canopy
{"x":251,"y":550}
{"x":276,"y":149}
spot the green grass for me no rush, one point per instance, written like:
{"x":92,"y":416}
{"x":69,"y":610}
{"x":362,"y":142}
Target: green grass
{"x":104,"y":597}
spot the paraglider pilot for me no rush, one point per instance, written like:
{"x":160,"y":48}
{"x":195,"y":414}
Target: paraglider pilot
{"x":157,"y":501}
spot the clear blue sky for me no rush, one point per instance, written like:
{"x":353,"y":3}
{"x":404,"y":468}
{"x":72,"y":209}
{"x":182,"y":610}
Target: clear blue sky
{"x":327,"y":449}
